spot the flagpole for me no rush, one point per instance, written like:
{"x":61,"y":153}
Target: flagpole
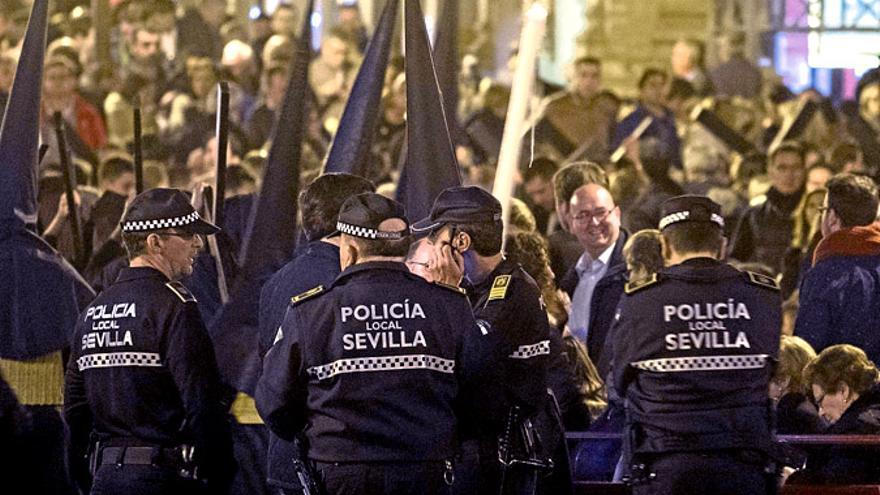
{"x":138,"y":148}
{"x":530,"y":41}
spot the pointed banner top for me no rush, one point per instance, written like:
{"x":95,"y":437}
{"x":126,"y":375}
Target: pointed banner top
{"x":271,"y":232}
{"x":20,"y":132}
{"x":350,"y":150}
{"x":430,"y":165}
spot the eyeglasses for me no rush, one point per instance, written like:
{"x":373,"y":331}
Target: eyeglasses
{"x":186,"y":236}
{"x":599,"y":216}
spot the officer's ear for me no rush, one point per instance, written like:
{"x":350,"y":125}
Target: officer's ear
{"x":348,"y":252}
{"x":665,"y":250}
{"x":722,"y":254}
{"x":461,"y":242}
{"x":154,"y":243}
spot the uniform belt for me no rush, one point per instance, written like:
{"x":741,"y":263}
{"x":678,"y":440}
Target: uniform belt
{"x":141,"y":456}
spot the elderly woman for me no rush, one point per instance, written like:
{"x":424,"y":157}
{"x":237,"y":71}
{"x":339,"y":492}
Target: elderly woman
{"x":845,"y":387}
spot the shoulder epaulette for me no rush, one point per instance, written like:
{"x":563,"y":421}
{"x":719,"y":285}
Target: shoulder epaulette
{"x":307,"y":295}
{"x":499,"y":287}
{"x":453,"y":288}
{"x":762,"y":280}
{"x":181,"y":291}
{"x":637,"y":285}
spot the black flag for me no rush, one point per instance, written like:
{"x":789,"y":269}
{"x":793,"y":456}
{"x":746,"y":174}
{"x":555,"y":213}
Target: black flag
{"x":430,"y":165}
{"x":271,"y":233}
{"x":354,"y":137}
{"x":41,"y":293}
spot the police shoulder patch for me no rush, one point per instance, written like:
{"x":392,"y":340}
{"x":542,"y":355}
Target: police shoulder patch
{"x":762,"y":280}
{"x":181,"y":291}
{"x":452,"y":288}
{"x":637,"y":285}
{"x":307,"y":295}
{"x":499,"y":287}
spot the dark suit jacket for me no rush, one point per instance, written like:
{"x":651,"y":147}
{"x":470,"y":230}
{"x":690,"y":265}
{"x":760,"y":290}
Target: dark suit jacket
{"x":603,"y":304}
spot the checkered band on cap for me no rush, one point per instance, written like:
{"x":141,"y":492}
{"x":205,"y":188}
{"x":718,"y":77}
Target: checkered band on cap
{"x":703,"y":363}
{"x":160,"y":223}
{"x":382,"y":363}
{"x":368,"y":233}
{"x":119,"y":359}
{"x":530,"y":351}
{"x":681,"y":216}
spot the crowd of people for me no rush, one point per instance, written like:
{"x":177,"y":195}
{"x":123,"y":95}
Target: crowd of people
{"x":591,"y":230}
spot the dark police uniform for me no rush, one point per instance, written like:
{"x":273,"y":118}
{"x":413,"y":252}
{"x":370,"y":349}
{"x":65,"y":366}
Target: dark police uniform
{"x":142,"y":380}
{"x":375,"y":368}
{"x":507,"y":304}
{"x":693,"y":355}
{"x":318,"y":264}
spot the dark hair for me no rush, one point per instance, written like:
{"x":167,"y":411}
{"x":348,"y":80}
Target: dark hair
{"x":397,"y":248}
{"x":694,"y":237}
{"x":238,"y":176}
{"x":842,"y":154}
{"x":853,"y":198}
{"x":587,"y":60}
{"x":838,"y":364}
{"x":680,"y":88}
{"x":648,"y":74}
{"x":789,"y":147}
{"x":642,"y":251}
{"x":542,"y":167}
{"x":135,"y":243}
{"x":532,"y":252}
{"x":486,"y":237}
{"x":574,"y":175}
{"x":320,"y":201}
{"x":114,"y":167}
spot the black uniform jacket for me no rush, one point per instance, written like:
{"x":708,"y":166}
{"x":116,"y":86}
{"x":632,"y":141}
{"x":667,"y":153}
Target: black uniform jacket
{"x":693,"y":355}
{"x":509,"y":303}
{"x":374,"y":367}
{"x":142,"y":372}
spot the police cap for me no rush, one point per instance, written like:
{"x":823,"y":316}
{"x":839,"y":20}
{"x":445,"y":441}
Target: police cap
{"x":361,"y":215}
{"x":160,"y":209}
{"x":690,"y":208}
{"x":467,"y":204}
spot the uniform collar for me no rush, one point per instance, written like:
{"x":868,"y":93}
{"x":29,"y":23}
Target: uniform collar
{"x":130,"y":273}
{"x":357,"y":268}
{"x":323,"y":249}
{"x":506,"y":267}
{"x":697,"y":269}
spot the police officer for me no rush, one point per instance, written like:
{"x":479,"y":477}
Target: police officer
{"x":316,"y":264}
{"x":142,"y":380}
{"x":375,"y":366}
{"x":466,"y":229}
{"x":694,"y":346}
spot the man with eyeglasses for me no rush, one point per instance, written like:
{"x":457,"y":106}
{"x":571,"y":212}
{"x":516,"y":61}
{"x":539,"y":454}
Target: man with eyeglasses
{"x":379,"y":368}
{"x":596,"y":282}
{"x":143,"y":397}
{"x":465,"y":229}
{"x":838,"y":297}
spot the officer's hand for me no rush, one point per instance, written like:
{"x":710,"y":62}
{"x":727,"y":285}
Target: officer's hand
{"x":447,"y":265}
{"x":63,"y":211}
